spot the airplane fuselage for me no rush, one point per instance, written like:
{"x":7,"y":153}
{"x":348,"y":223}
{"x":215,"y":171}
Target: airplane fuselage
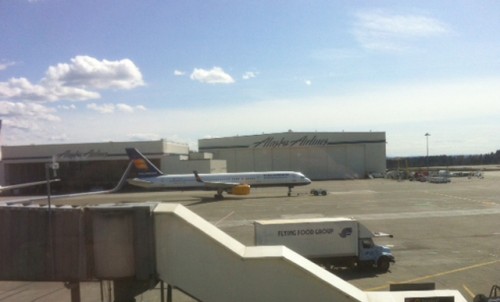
{"x":254,"y":179}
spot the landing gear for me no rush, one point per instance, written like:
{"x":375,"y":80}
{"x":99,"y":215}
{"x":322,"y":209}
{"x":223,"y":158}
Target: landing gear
{"x":290,"y":191}
{"x":219,"y":195}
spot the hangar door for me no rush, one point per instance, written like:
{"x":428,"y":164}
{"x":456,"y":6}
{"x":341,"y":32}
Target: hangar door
{"x":313,"y":162}
{"x":263,"y":160}
{"x":244,"y":161}
{"x":281,"y":159}
{"x":356,"y":160}
{"x":346,"y":161}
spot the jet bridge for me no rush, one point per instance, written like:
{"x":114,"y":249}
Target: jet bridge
{"x":136,"y":245}
{"x":197,"y":257}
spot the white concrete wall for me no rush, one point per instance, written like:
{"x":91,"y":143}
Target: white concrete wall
{"x":182,"y":165}
{"x":421,"y":295}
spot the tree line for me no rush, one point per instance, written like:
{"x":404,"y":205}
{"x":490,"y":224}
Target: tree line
{"x":444,"y":160}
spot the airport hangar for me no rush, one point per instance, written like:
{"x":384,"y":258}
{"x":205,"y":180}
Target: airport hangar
{"x":94,"y":166}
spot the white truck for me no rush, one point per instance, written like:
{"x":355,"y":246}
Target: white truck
{"x":330,"y":242}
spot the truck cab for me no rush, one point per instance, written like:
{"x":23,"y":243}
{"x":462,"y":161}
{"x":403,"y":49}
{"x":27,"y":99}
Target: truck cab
{"x":371,"y":254}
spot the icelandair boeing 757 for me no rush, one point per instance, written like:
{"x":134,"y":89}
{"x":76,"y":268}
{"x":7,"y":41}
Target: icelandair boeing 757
{"x":149,"y":176}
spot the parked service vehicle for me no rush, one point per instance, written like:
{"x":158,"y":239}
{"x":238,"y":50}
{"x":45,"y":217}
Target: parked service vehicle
{"x":317,"y":192}
{"x":330,"y":242}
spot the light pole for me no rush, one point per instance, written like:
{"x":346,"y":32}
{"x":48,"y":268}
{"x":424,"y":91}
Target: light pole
{"x":48,"y":166}
{"x":427,"y":146}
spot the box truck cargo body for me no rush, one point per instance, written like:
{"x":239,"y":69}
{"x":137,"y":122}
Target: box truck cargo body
{"x":337,"y":242}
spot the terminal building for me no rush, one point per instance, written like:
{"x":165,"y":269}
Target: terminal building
{"x":97,"y":166}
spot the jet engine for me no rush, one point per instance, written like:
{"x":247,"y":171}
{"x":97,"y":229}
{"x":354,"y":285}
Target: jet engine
{"x":239,"y":190}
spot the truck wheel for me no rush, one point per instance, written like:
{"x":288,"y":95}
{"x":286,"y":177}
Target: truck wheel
{"x":383,"y":264}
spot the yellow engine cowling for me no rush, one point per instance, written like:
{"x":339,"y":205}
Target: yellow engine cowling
{"x":240,"y":190}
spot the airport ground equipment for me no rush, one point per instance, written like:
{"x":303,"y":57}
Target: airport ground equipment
{"x":330,"y":242}
{"x":317,"y":192}
{"x":137,"y":245}
{"x":493,"y":297}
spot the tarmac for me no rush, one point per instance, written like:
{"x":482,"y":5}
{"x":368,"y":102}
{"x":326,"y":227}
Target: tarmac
{"x":447,"y":234}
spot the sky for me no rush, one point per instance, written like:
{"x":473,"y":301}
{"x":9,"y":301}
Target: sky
{"x":97,"y":71}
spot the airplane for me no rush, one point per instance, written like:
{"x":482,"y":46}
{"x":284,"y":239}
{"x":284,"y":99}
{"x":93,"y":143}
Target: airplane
{"x":149,"y":177}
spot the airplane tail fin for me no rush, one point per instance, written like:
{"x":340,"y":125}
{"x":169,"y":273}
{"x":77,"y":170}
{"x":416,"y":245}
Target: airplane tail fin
{"x":197,"y":177}
{"x":143,"y":165}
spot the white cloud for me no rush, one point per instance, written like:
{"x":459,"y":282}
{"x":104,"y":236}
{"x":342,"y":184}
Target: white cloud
{"x":129,"y":109}
{"x":179,"y":73}
{"x":308,"y":82}
{"x":5,"y":65}
{"x":67,"y":107}
{"x":22,"y":102}
{"x":249,"y":75}
{"x":90,"y":73}
{"x":124,"y":108}
{"x":58,"y":138}
{"x":379,"y":30}
{"x":216,"y":75}
{"x":102,"y":108}
{"x":58,"y":93}
{"x":26,"y":115}
{"x":143,"y":136}
{"x":74,"y":82}
{"x":21,"y":89}
{"x":109,"y":108}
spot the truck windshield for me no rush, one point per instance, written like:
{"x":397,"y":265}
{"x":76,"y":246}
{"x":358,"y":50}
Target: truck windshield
{"x":367,"y":243}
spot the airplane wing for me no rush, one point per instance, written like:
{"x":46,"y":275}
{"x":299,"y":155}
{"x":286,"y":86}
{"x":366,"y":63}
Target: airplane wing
{"x":39,"y":198}
{"x":215,"y":184}
{"x":229,"y":187}
{"x":27,"y":184}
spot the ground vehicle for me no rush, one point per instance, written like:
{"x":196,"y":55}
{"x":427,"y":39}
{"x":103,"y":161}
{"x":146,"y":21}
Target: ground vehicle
{"x":493,"y":297}
{"x":331,"y":242}
{"x":317,"y":192}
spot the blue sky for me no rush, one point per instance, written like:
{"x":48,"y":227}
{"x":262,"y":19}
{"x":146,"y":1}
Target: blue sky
{"x":91,"y":71}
